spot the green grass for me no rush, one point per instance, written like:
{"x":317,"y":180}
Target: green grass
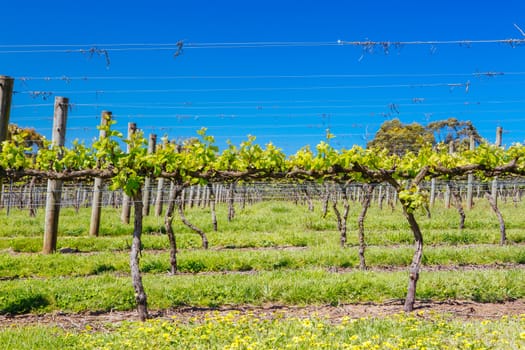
{"x":38,"y":337}
{"x":289,"y":257}
{"x":298,"y":274}
{"x":194,"y":261}
{"x":289,"y":287}
{"x":277,"y":331}
{"x":268,"y":224}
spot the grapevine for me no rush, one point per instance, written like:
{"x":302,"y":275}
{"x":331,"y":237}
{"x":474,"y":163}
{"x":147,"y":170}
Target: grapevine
{"x":200,"y":162}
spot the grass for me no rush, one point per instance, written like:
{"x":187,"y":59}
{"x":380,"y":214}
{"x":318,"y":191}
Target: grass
{"x":289,"y":256}
{"x":40,"y":283}
{"x":276,"y":331}
{"x":108,"y":292}
{"x":37,"y":337}
{"x":261,"y":225}
{"x":195,"y":261}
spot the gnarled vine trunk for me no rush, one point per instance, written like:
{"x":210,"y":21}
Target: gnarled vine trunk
{"x":494,"y":205}
{"x":201,"y":233}
{"x":32,"y":204}
{"x":308,"y":197}
{"x":136,"y":246}
{"x":367,"y":196}
{"x":212,"y":207}
{"x":326,"y":198}
{"x":341,"y":218}
{"x":415,"y":265}
{"x":231,"y":200}
{"x":459,"y":206}
{"x":175,"y":191}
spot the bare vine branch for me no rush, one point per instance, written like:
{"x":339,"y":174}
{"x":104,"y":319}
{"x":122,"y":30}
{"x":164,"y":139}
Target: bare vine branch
{"x":180,"y":49}
{"x":99,"y":52}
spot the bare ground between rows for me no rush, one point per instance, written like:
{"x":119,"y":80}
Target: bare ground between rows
{"x":462,"y":310}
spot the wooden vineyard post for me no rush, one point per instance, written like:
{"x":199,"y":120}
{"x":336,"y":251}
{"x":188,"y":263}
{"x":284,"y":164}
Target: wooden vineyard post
{"x":494,"y":190}
{"x":198,"y":198}
{"x":448,"y":192}
{"x":432,"y":192}
{"x":126,"y":202}
{"x":190,"y":196}
{"x":6,"y":93}
{"x":212,"y":202}
{"x":159,"y":199}
{"x":470,"y":178}
{"x":94,"y":225}
{"x":499,"y":134}
{"x":54,"y":187}
{"x":152,"y":143}
{"x":493,"y":196}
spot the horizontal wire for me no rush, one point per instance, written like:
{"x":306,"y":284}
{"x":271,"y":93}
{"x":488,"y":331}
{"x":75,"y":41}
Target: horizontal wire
{"x":320,"y":135}
{"x":386,"y":44}
{"x":88,"y":51}
{"x":285,"y":76}
{"x":87,"y":48}
{"x":311,"y":125}
{"x":127,"y":91}
{"x":146,"y":106}
{"x":85,"y":45}
{"x":229,"y":116}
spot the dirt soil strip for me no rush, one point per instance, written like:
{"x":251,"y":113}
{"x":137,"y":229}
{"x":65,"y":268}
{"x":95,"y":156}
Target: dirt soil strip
{"x":456,"y":309}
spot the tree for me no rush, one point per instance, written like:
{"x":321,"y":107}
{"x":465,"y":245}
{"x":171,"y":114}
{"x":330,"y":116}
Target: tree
{"x":401,"y":138}
{"x":453,"y":130}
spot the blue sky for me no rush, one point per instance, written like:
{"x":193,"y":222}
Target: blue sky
{"x":228,"y":80}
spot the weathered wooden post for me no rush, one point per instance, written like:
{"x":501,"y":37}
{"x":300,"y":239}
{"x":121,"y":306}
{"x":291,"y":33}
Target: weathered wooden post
{"x":126,"y":202}
{"x":152,"y":143}
{"x":94,"y":226}
{"x":159,"y":200}
{"x":190,"y":196}
{"x":448,"y":192}
{"x":54,"y":187}
{"x":212,"y":201}
{"x":6,"y":93}
{"x":159,"y":197}
{"x":432,"y":192}
{"x":494,"y":190}
{"x":493,"y":195}
{"x":470,"y":178}
{"x":198,"y":199}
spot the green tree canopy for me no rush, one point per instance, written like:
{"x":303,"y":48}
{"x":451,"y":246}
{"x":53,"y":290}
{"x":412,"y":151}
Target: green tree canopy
{"x":453,"y":130}
{"x":400,"y":138}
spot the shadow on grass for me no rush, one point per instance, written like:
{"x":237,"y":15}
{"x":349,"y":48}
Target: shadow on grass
{"x":99,"y":269}
{"x":25,"y":305}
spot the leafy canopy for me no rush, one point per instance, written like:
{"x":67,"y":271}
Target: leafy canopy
{"x":400,"y":138}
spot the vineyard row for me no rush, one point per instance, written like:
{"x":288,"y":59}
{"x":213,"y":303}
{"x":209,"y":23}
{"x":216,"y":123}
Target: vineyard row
{"x":81,"y":194}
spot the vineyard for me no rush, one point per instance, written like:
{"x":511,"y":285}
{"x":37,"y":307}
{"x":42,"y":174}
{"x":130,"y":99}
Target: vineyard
{"x":259,"y":235}
{"x":277,"y":266}
{"x":241,"y":175}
